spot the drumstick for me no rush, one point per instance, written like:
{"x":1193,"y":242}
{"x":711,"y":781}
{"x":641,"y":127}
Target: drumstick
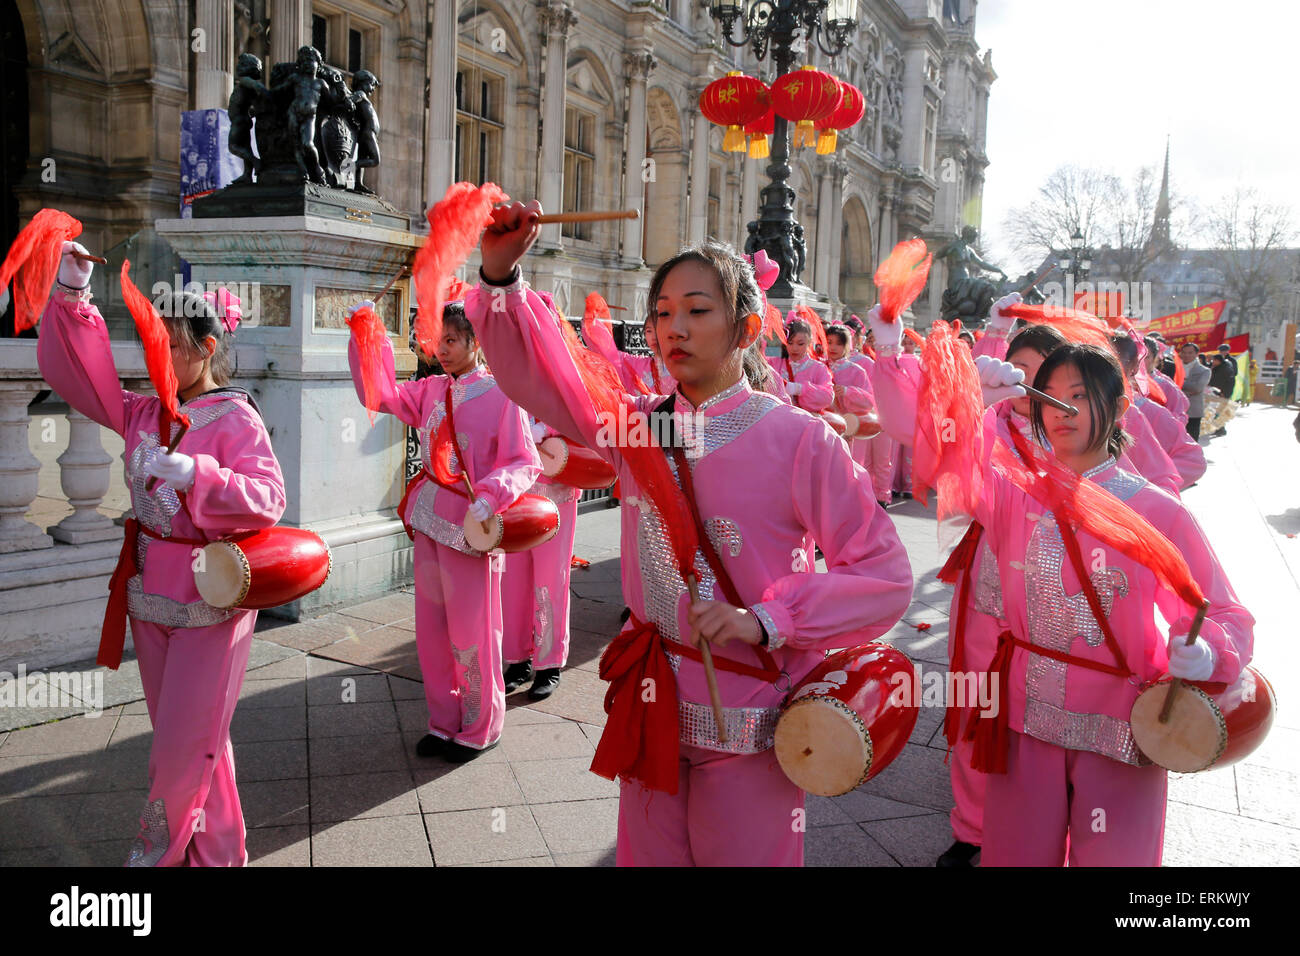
{"x":1037,"y":279}
{"x":589,"y":216}
{"x":1177,"y":681}
{"x":1038,"y":396}
{"x":391,"y":282}
{"x":710,"y":676}
{"x":87,"y":257}
{"x":153,"y":481}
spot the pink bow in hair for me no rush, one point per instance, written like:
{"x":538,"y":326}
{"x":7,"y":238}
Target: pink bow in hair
{"x":765,"y":270}
{"x":227,"y":305}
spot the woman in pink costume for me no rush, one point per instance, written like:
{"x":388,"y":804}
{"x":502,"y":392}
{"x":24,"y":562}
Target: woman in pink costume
{"x":1187,"y":456}
{"x":1175,"y":401}
{"x":1069,"y":754}
{"x":458,"y":627}
{"x":222,"y":478}
{"x":712,"y":803}
{"x":881,"y":450}
{"x":807,"y":380}
{"x":851,"y":386}
{"x":535,"y":594}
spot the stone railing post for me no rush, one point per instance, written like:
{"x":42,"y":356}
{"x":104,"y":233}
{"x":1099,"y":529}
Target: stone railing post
{"x":84,"y":473}
{"x":19,"y":470}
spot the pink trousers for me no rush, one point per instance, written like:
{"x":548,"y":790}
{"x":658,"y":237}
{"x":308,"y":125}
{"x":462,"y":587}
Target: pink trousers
{"x":879,"y":463}
{"x":729,"y":810}
{"x":535,"y":598}
{"x":968,"y":786}
{"x":458,"y":637}
{"x":191,"y":678}
{"x":902,"y":471}
{"x":1054,"y":805}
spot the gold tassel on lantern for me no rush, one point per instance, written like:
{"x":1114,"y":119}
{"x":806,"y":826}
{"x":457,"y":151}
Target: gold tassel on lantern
{"x":804,"y":133}
{"x":758,"y":148}
{"x":733,"y":141}
{"x":826,"y":140}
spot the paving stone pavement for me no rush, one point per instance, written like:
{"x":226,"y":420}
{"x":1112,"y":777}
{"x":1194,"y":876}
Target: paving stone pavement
{"x":332,"y":708}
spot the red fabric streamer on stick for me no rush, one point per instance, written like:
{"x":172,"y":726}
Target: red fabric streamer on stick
{"x":157,"y":357}
{"x":948,"y":451}
{"x":34,"y":260}
{"x":773,"y":327}
{"x":455,"y":224}
{"x":1092,"y":509}
{"x":1075,"y":324}
{"x":901,"y":278}
{"x":369,"y":332}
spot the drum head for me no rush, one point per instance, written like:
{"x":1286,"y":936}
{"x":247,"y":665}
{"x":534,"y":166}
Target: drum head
{"x":554,"y":453}
{"x":823,"y":746}
{"x":225,"y":575}
{"x":481,"y":540}
{"x":851,"y":424}
{"x":1191,"y":740}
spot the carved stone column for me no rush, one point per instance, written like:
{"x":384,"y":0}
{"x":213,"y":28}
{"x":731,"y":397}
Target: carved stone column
{"x":557,"y":19}
{"x":290,"y":29}
{"x":213,"y":75}
{"x":84,"y":474}
{"x":839,"y":169}
{"x":19,"y":470}
{"x":697,"y":216}
{"x":639,"y":63}
{"x":440,"y":74}
{"x":826,"y":221}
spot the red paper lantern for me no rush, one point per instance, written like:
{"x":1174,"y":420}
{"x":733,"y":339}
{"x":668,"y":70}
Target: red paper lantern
{"x":851,"y":109}
{"x":758,"y":132}
{"x":732,"y":101}
{"x":805,"y":96}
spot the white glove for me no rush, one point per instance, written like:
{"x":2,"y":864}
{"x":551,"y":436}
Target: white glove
{"x":793,"y":388}
{"x":998,"y":380}
{"x":539,"y":433}
{"x":73,"y":272}
{"x":364,"y":302}
{"x":176,"y":469}
{"x":1190,"y":662}
{"x":999,"y":321}
{"x":480,"y":510}
{"x":888,"y":335}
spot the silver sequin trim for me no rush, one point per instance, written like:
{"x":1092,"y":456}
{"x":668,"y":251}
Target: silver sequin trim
{"x":750,"y":730}
{"x":154,"y":510}
{"x":543,"y":622}
{"x":560,"y":494}
{"x":988,"y":583}
{"x":1056,"y":620}
{"x":151,"y":843}
{"x":775,"y":638}
{"x":434,"y":526}
{"x":159,"y":609}
{"x":725,"y":536}
{"x":722,"y":430}
{"x":471,"y":690}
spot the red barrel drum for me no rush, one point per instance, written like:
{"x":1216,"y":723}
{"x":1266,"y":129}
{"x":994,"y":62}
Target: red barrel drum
{"x":264,"y":569}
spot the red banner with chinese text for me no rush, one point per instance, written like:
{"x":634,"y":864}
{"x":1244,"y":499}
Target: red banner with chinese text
{"x":1194,"y":325}
{"x":1104,"y":304}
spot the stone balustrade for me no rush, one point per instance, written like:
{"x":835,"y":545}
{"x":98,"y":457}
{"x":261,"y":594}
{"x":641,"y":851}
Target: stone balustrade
{"x":53,"y":581}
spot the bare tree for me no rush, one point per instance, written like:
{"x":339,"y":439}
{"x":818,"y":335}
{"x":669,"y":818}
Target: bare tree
{"x":1248,"y":238}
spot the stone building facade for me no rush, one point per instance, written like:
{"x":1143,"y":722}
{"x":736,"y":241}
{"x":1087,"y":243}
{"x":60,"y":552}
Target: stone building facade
{"x":585,"y":104}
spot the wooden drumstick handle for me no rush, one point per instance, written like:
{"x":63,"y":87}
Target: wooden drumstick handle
{"x":1054,"y":402}
{"x":600,"y":216}
{"x":1177,"y":682}
{"x":153,"y":481}
{"x":87,"y":257}
{"x":710,"y":676}
{"x":391,"y":282}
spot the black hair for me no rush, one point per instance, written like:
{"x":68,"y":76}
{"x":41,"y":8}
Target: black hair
{"x":1103,"y":382}
{"x":1043,"y":339}
{"x":841,"y":334}
{"x":1127,"y":351}
{"x":190,"y":320}
{"x":740,"y":295}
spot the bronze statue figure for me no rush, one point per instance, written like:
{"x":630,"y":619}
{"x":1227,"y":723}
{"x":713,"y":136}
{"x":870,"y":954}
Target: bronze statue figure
{"x":969,"y":295}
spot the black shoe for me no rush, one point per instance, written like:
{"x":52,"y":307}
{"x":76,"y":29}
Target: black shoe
{"x":895,"y":496}
{"x":959,"y":854}
{"x":884,"y":504}
{"x":905,"y":495}
{"x":459,"y":753}
{"x":431,"y":746}
{"x":1220,"y":433}
{"x":517,"y":675}
{"x":622,"y":618}
{"x":544,"y":684}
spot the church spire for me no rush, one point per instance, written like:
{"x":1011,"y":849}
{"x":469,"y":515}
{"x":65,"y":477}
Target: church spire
{"x":1160,"y":220}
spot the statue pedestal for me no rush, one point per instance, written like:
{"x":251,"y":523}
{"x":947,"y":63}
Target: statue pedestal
{"x":344,"y":477}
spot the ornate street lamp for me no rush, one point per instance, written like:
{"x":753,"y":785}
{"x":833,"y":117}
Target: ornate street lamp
{"x":1079,"y":261}
{"x":785,"y":26}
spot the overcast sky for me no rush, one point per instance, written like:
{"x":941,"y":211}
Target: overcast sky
{"x":1102,"y":82}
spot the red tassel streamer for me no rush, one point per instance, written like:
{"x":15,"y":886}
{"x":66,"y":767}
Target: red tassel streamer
{"x":455,"y":224}
{"x":1092,"y":509}
{"x":157,"y":353}
{"x":369,"y":332}
{"x":34,"y":259}
{"x":901,"y":278}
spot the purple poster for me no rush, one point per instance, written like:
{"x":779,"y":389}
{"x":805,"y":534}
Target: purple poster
{"x":206,"y":163}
